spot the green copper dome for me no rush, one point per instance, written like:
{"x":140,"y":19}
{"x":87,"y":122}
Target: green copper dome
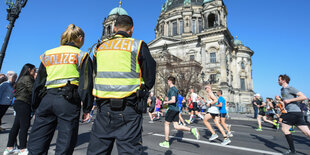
{"x":207,"y":1}
{"x":118,"y":11}
{"x":237,"y":42}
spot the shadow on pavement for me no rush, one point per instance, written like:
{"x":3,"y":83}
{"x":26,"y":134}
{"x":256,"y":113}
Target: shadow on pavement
{"x":207,"y":134}
{"x":178,"y":137}
{"x":168,"y":152}
{"x":301,"y":140}
{"x":272,"y":145}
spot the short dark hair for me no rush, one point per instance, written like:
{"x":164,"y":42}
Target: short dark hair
{"x":172,"y":79}
{"x":124,"y":21}
{"x":285,"y":77}
{"x":220,"y":91}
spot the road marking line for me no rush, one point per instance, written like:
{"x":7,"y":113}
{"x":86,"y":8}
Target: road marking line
{"x":220,"y":145}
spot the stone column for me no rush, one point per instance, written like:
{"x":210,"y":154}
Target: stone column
{"x":222,"y":54}
{"x":203,"y":55}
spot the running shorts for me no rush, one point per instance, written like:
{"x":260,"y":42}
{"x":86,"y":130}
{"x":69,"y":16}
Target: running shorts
{"x":223,"y":115}
{"x":213,"y":115}
{"x":190,"y":110}
{"x":157,"y":109}
{"x":262,"y":113}
{"x":172,"y":116}
{"x":180,"y":109}
{"x":195,"y":107}
{"x":151,"y":109}
{"x":294,"y":118}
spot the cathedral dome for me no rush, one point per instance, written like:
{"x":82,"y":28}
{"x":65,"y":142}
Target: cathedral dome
{"x":237,"y":42}
{"x":118,"y":11}
{"x":171,"y":4}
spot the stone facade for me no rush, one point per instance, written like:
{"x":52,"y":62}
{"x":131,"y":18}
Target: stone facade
{"x":194,"y":33}
{"x":194,"y":44}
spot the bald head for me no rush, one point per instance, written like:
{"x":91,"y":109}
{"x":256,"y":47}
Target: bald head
{"x":11,"y":76}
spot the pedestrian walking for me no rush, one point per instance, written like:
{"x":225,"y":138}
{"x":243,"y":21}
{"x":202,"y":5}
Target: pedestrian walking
{"x":22,"y":106}
{"x":172,"y":115}
{"x":64,"y":80}
{"x":294,"y":116}
{"x":6,"y":94}
{"x":125,"y":72}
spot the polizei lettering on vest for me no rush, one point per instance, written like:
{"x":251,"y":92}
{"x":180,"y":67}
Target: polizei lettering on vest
{"x":117,"y":44}
{"x":60,"y":58}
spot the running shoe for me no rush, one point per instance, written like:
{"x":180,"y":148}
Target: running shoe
{"x":229,"y":134}
{"x":229,"y":126}
{"x":292,"y":130}
{"x":23,"y":153}
{"x":226,"y":141}
{"x":289,"y":152}
{"x":187,"y":121}
{"x":195,"y":132}
{"x":213,"y":137}
{"x":7,"y":152}
{"x":278,"y":126}
{"x":259,"y":129}
{"x":151,"y":122}
{"x":275,"y":123}
{"x":164,"y":144}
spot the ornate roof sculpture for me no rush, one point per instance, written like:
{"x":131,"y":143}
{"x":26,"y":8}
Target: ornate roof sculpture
{"x":118,"y":10}
{"x":171,"y":4}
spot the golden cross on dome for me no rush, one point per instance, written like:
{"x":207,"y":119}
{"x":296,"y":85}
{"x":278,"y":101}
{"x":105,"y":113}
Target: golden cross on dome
{"x":120,"y":3}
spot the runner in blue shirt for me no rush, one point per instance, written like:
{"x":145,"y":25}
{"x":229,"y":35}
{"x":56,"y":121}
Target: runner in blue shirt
{"x":222,"y":105}
{"x":181,"y":100}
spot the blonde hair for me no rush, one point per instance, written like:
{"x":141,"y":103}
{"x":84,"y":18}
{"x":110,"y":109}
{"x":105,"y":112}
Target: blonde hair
{"x":71,"y":34}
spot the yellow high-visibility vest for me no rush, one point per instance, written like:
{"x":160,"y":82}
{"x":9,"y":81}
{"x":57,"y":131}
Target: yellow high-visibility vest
{"x":62,"y":65}
{"x":118,"y":70}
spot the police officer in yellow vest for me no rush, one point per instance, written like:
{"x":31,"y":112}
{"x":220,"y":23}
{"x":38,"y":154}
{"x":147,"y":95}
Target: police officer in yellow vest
{"x":63,"y":81}
{"x":124,"y":70}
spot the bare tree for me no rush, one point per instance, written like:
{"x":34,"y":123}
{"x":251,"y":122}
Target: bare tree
{"x":187,"y":73}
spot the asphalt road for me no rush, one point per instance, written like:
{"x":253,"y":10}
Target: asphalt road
{"x":245,"y":141}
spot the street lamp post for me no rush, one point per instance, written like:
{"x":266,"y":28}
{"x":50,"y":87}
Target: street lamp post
{"x":15,"y":7}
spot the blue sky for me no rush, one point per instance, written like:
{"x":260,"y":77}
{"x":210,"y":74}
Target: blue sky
{"x":276,"y":30}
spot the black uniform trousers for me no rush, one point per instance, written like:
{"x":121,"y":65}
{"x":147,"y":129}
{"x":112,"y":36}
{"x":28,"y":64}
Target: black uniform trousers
{"x":54,"y":111}
{"x":124,"y":127}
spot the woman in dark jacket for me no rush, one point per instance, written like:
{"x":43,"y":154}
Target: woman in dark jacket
{"x":22,"y":106}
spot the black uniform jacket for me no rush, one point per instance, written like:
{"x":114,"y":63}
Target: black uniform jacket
{"x":85,"y":84}
{"x":146,"y":62}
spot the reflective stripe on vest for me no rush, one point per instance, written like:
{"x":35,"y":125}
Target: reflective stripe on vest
{"x":62,"y":65}
{"x":118,"y":71}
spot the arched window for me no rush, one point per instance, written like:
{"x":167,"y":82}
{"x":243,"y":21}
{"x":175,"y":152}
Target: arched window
{"x":242,"y":65}
{"x":242,"y":84}
{"x":174,"y":28}
{"x":211,"y":20}
{"x":200,"y":25}
{"x":108,"y":30}
{"x":194,"y":26}
{"x":103,"y":32}
{"x":181,"y":27}
{"x":213,"y":57}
